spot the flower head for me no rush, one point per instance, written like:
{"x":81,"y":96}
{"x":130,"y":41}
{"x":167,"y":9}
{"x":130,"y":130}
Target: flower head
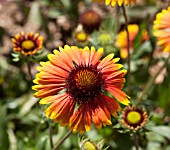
{"x":90,"y":20}
{"x":134,"y":117}
{"x":81,"y":37}
{"x":105,"y":38}
{"x":75,"y":77}
{"x":121,"y":40}
{"x":114,"y":2}
{"x":88,"y":145}
{"x":27,"y":44}
{"x":162,"y":29}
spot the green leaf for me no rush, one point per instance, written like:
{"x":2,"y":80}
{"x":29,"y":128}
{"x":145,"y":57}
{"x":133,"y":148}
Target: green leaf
{"x":16,"y":59}
{"x":4,"y":140}
{"x":162,"y":130}
{"x":154,"y":146}
{"x":145,"y":47}
{"x":53,"y":13}
{"x":138,"y":38}
{"x":34,"y":18}
{"x":15,"y":54}
{"x":43,"y":143}
{"x":152,"y":136}
{"x":30,"y":101}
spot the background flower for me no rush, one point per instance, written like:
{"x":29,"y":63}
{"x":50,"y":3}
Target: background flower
{"x":27,"y":44}
{"x":114,"y":2}
{"x":81,"y":37}
{"x":121,"y":40}
{"x":162,"y":29}
{"x":133,"y":117}
{"x":90,"y":20}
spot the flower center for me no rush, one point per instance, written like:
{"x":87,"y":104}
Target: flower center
{"x":81,"y":36}
{"x":133,"y":117}
{"x":84,"y":83}
{"x":28,"y":45}
{"x":85,"y":79}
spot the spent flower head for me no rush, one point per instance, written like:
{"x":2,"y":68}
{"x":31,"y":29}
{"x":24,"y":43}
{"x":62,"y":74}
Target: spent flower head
{"x":90,"y":20}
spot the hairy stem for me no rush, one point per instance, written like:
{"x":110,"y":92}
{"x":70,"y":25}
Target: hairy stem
{"x":50,"y":135}
{"x":62,"y":140}
{"x":128,"y":47}
{"x":136,"y":141}
{"x":29,"y":70}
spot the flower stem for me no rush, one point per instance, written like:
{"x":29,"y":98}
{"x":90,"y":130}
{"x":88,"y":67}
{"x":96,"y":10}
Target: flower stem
{"x":29,"y":70}
{"x":151,"y":82}
{"x":62,"y":140}
{"x":117,"y":19}
{"x":128,"y":47}
{"x":50,"y":135}
{"x":136,"y":141}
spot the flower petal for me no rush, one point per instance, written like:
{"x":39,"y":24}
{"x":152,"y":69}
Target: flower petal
{"x":119,"y":95}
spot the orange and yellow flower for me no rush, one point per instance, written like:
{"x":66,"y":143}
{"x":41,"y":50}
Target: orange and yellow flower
{"x":74,"y":82}
{"x":27,"y":44}
{"x":114,"y":2}
{"x":134,"y":118}
{"x":162,"y":29}
{"x":121,"y":40}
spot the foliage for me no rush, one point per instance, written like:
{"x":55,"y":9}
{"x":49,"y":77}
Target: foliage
{"x":23,"y":124}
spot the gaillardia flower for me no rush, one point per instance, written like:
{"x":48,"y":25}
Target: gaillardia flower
{"x":114,"y":2}
{"x":27,"y":44}
{"x":88,"y":145}
{"x":75,"y":77}
{"x":90,"y":20}
{"x":134,"y":118}
{"x":121,"y":40}
{"x":162,"y":29}
{"x":81,"y":37}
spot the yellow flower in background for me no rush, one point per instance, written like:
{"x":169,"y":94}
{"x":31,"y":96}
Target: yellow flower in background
{"x":114,"y":2}
{"x":27,"y":44}
{"x":121,"y":40}
{"x":134,"y":118}
{"x":76,"y":78}
{"x":81,"y":37}
{"x":162,"y":29}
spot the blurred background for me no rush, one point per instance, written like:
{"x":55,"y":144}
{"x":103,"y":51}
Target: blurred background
{"x":23,"y":125}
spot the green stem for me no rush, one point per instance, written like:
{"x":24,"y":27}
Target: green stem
{"x":136,"y":141}
{"x":128,"y":47}
{"x":62,"y":140}
{"x":29,"y":70}
{"x":117,"y":20}
{"x":150,"y":83}
{"x":50,"y":135}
